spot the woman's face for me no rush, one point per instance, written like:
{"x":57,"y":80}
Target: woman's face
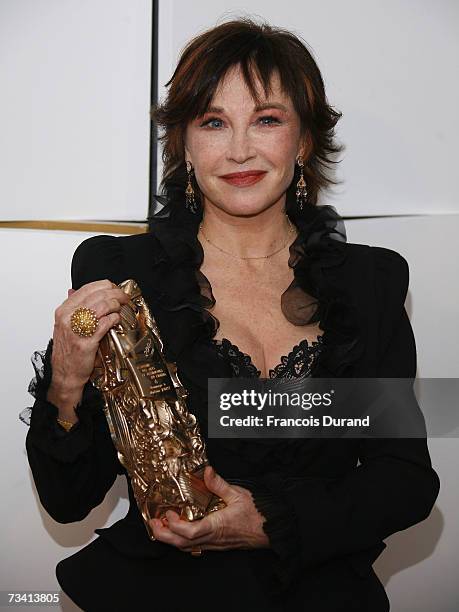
{"x":235,"y":137}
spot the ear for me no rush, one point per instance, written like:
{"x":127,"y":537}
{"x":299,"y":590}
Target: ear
{"x":187,"y":155}
{"x":305,"y":147}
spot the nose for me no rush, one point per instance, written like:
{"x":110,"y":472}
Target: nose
{"x":240,"y":147}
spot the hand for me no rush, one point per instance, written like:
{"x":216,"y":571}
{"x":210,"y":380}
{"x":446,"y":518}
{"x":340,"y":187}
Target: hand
{"x":73,"y":356}
{"x":239,"y":525}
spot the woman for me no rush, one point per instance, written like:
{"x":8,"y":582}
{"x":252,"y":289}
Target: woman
{"x":247,"y":137}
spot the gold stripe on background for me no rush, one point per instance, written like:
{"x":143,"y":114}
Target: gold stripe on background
{"x":79,"y":226}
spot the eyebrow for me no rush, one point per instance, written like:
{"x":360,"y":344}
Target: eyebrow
{"x":257,"y":109}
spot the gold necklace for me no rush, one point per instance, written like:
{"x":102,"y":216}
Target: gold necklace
{"x":292,"y":229}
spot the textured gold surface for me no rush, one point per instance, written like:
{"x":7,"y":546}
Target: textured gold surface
{"x":157,"y":438}
{"x":84,"y":321}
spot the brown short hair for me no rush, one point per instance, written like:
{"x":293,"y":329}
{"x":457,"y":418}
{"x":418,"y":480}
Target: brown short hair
{"x":259,"y":49}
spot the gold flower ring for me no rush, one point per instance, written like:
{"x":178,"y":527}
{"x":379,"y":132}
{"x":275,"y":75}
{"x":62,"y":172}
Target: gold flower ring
{"x":84,"y":321}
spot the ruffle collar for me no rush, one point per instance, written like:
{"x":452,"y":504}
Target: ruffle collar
{"x":317,"y":255}
{"x":182,"y":297}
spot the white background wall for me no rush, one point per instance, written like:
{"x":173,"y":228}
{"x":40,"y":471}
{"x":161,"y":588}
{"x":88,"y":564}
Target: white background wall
{"x":74,"y":145}
{"x":74,"y":103}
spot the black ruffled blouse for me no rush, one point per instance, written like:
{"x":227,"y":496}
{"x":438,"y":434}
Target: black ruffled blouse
{"x":319,"y":505}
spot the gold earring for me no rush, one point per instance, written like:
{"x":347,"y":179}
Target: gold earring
{"x":190,"y":202}
{"x":301,"y":191}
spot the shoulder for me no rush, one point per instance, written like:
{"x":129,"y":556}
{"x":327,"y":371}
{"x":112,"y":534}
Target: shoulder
{"x":386,"y":267}
{"x":391,"y":271}
{"x":382,"y":257}
{"x":378,"y":281}
{"x":386,"y":261}
{"x":112,"y":257}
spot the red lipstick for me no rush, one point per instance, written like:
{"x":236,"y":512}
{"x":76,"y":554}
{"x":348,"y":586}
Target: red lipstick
{"x":244,"y":179}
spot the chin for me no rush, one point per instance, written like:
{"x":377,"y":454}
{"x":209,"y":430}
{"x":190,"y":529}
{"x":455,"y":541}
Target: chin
{"x":240,"y":202}
{"x":246,"y":208}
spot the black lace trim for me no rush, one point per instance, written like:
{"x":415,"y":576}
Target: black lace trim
{"x":38,"y":386}
{"x":296,"y":364}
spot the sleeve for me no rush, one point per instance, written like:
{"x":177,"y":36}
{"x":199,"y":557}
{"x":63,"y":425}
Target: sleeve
{"x":74,"y":470}
{"x":311,"y":521}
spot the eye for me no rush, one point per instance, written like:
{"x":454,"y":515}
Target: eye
{"x":210,"y":121}
{"x":270,"y":119}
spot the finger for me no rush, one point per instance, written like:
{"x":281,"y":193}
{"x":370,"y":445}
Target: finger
{"x":95,"y":291}
{"x":114,"y":292}
{"x":89,"y":298}
{"x":101,"y":302}
{"x":104,"y":326}
{"x":158,"y":529}
{"x":87,"y":289}
{"x":104,"y":306}
{"x":218,"y":485}
{"x":101,"y":309}
{"x":190,"y":530}
{"x":164,"y":534}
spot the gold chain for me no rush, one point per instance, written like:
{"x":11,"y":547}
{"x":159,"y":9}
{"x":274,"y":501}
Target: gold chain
{"x":291,"y":229}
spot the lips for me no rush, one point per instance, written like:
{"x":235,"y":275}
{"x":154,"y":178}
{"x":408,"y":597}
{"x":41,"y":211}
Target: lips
{"x":242,"y":174}
{"x":242,"y":179}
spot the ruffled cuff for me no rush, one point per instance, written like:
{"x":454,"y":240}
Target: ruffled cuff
{"x":281,"y":528}
{"x":45,"y":432}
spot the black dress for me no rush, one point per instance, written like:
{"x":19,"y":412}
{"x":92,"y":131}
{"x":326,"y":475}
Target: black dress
{"x":326,"y":515}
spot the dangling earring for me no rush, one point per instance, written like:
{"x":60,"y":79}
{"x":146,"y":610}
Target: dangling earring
{"x":190,"y":202}
{"x":301,"y":191}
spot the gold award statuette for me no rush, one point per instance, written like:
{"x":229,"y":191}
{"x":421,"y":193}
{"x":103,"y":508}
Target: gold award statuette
{"x":157,"y":438}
